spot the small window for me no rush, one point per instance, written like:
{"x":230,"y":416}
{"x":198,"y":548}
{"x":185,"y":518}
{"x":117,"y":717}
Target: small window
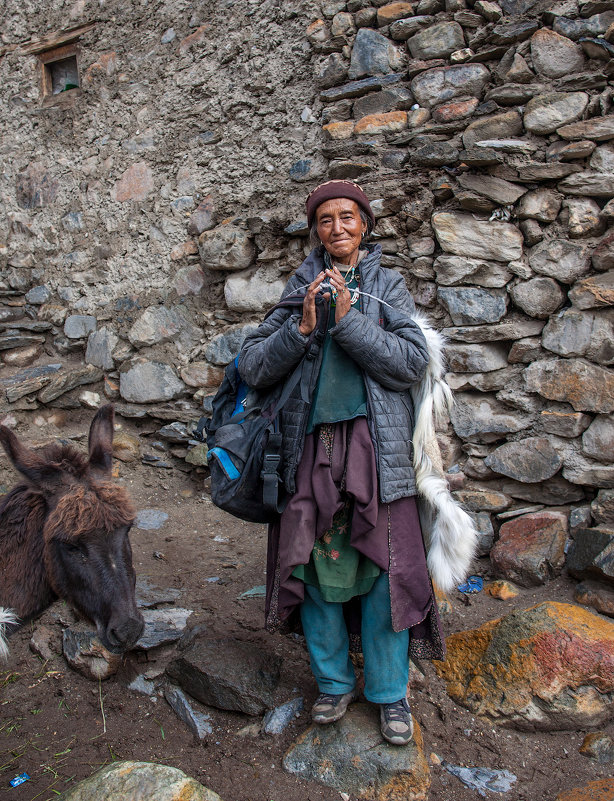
{"x":60,"y":71}
{"x":58,"y":58}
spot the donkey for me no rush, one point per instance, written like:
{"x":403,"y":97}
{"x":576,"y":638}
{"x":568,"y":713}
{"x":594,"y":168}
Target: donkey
{"x":64,"y":534}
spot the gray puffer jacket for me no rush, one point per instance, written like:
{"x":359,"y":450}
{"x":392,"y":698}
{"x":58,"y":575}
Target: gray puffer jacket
{"x":382,"y":339}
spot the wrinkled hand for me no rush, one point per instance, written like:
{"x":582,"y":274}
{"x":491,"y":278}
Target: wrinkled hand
{"x":343,"y":302}
{"x":308,"y":320}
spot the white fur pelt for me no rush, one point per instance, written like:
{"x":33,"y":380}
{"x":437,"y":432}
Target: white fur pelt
{"x":449,"y":533}
{"x":6,"y":618}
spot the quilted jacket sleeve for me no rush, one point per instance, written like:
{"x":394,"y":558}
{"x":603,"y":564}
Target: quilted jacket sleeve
{"x":274,"y":349}
{"x":395,"y":354}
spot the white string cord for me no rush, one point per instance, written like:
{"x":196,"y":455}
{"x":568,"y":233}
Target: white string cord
{"x":366,"y":294}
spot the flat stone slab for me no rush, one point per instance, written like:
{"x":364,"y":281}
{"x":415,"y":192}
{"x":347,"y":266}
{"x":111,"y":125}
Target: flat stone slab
{"x":28,"y":381}
{"x":228,"y":674}
{"x":162,"y":626}
{"x":599,"y":129}
{"x":199,"y":723}
{"x":352,"y":757}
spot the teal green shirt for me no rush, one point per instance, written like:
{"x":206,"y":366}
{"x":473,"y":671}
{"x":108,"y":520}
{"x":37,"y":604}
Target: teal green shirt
{"x":340,"y":393}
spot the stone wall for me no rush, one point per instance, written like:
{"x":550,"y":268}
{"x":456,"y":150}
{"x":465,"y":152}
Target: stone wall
{"x":150,"y":216}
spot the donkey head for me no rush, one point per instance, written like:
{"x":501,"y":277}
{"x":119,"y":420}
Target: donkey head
{"x":87,"y":552}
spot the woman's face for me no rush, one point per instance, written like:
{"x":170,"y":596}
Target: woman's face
{"x":340,"y":228}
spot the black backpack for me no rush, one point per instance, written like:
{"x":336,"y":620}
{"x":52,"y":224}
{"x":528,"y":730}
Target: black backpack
{"x":244,"y":443}
{"x":243,"y":436}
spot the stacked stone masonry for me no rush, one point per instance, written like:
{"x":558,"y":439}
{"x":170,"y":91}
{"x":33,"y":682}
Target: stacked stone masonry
{"x":152,"y":215}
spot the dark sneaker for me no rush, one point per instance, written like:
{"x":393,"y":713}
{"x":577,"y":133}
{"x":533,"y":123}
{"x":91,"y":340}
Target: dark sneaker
{"x":396,"y":722}
{"x":330,"y":707}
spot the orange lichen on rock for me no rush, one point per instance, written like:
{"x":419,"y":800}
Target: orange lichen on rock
{"x":501,"y":589}
{"x":387,"y":122}
{"x":599,"y":790}
{"x":547,"y":667}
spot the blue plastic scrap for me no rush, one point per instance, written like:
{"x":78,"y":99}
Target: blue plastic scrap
{"x":23,"y":777}
{"x":473,"y":584}
{"x":481,"y":779}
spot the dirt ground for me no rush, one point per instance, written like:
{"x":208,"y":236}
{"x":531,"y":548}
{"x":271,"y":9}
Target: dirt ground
{"x":59,"y":727}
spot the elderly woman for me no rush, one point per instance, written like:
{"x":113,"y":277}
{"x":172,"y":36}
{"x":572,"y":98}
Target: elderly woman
{"x":347,"y":554}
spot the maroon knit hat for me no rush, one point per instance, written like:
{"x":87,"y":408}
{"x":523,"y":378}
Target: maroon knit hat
{"x":334,"y":189}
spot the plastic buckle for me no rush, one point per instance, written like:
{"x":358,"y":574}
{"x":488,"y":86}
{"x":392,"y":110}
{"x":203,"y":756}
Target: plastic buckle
{"x":270,"y":463}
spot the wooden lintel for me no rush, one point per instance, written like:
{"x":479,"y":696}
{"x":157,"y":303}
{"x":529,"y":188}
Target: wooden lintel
{"x":56,"y":39}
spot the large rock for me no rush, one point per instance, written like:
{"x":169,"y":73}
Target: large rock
{"x":481,"y":418}
{"x":228,"y":674}
{"x":227,"y":247}
{"x":549,"y":667}
{"x":538,"y":297}
{"x":143,"y":381}
{"x":223,"y":348}
{"x":251,"y":291}
{"x":580,"y":470}
{"x":602,"y":159}
{"x":499,"y":126}
{"x":540,"y":204}
{"x":555,"y":55}
{"x":351,"y":757}
{"x":374,"y":54}
{"x":597,"y":595}
{"x":593,"y":292}
{"x":453,"y":270}
{"x":592,"y":554}
{"x":598,"y":439}
{"x":545,"y":113}
{"x":594,"y":184}
{"x":501,"y":192}
{"x":598,"y":790}
{"x":438,"y":85}
{"x":587,"y":387}
{"x":531,"y":548}
{"x":64,"y":382}
{"x":78,"y":326}
{"x":139,"y":781}
{"x":475,"y":358}
{"x":463,"y":235}
{"x":87,"y":655}
{"x":472,"y":306}
{"x":100,"y":345}
{"x":160,"y":324}
{"x":483,"y":500}
{"x":568,"y":333}
{"x":437,"y":41}
{"x":603,"y":255}
{"x":599,"y":129}
{"x":513,"y":326}
{"x":554,"y":492}
{"x":602,"y":508}
{"x":564,"y":424}
{"x":528,"y":460}
{"x":135,"y":183}
{"x":558,"y":258}
{"x":584,"y":217}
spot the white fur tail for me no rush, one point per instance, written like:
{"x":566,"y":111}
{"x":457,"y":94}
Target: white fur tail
{"x":6,"y":618}
{"x":449,"y":531}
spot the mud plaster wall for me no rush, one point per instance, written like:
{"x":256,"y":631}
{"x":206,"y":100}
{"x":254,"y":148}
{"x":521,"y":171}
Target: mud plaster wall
{"x":204,"y":126}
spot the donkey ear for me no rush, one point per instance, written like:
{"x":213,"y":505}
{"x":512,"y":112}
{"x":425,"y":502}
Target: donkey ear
{"x":101,"y":439}
{"x":28,"y":462}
